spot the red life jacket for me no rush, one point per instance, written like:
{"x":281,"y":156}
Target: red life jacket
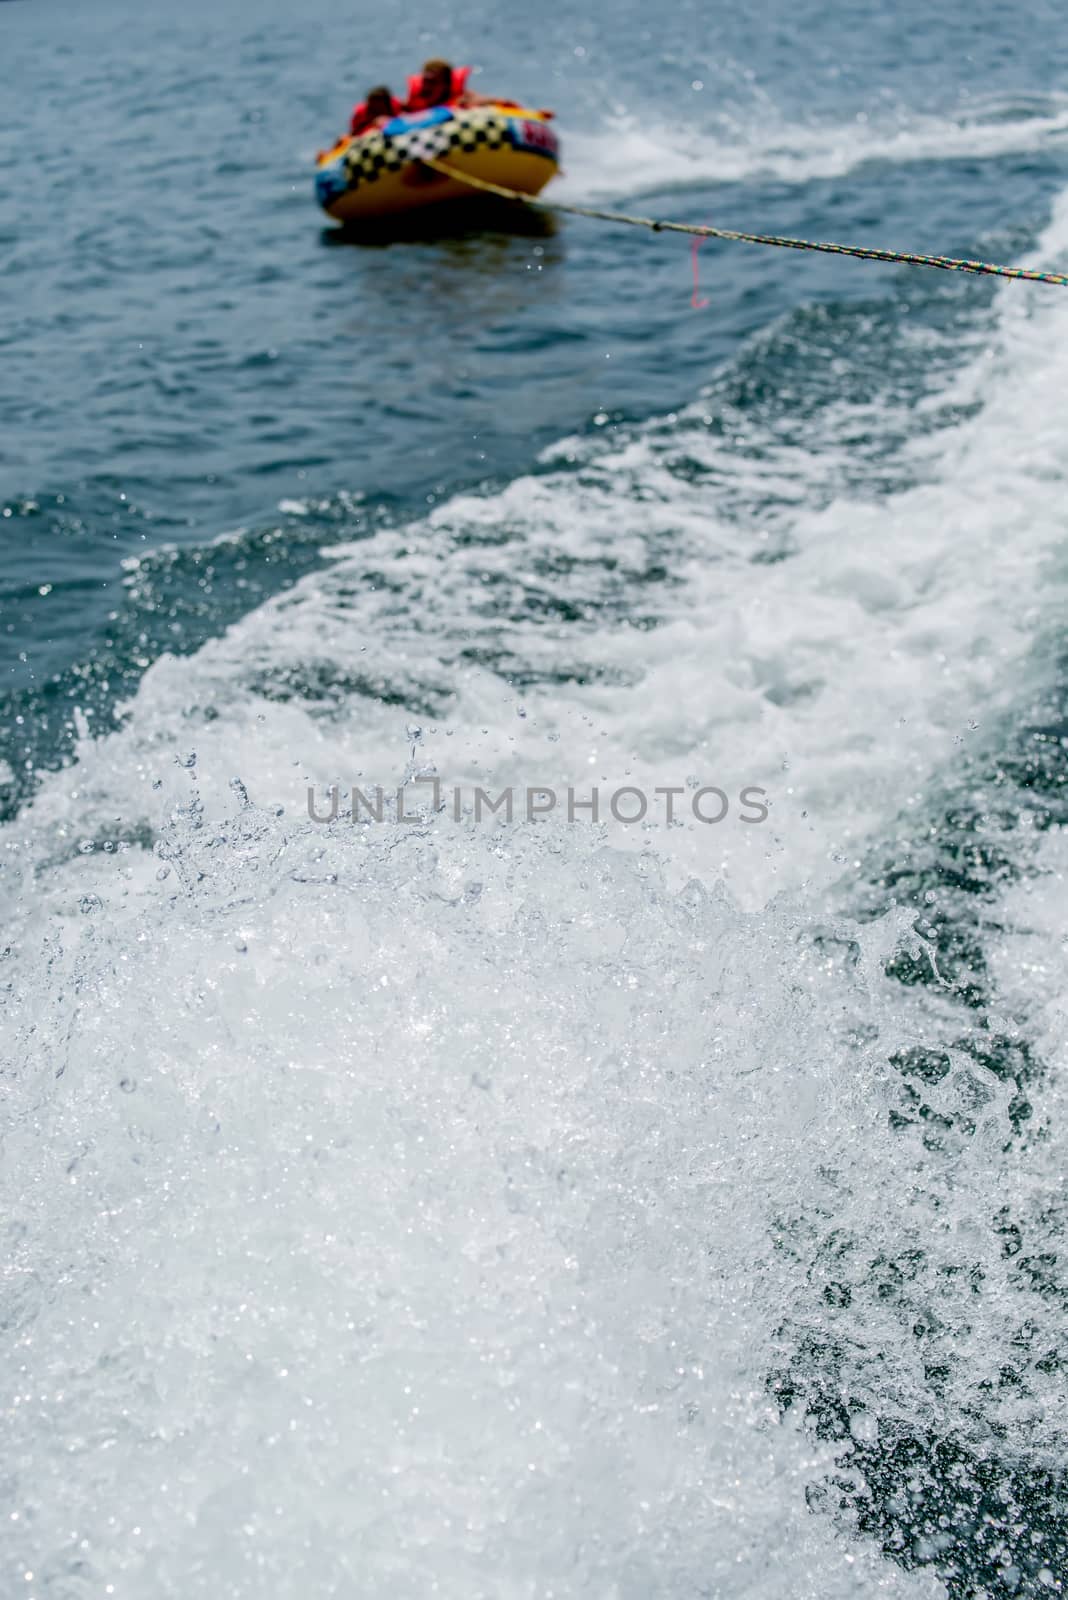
{"x":417,"y":100}
{"x":360,"y":122}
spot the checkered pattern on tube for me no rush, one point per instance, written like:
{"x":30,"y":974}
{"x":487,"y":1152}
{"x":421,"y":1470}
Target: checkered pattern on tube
{"x":367,"y":158}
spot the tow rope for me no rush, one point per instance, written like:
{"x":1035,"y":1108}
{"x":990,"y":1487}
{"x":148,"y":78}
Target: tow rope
{"x":701,"y":231}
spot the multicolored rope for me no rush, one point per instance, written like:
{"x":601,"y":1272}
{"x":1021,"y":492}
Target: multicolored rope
{"x":700,"y":231}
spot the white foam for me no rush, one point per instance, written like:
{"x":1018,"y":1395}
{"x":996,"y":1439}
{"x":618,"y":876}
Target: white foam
{"x":633,"y":156}
{"x":385,"y":1229}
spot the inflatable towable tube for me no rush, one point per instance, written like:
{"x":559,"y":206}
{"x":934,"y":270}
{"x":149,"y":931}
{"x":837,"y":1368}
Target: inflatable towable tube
{"x":379,"y":173}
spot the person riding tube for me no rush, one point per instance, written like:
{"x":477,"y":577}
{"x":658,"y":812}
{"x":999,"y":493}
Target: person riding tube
{"x":441,"y":84}
{"x":379,"y":107}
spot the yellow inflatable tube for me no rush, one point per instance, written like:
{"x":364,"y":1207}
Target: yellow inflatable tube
{"x":380,"y":173}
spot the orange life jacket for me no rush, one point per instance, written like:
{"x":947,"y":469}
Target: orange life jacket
{"x":417,"y":101}
{"x":359,"y":122}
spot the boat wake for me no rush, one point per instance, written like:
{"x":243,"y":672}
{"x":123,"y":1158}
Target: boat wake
{"x":498,"y":1209}
{"x":632,"y":157}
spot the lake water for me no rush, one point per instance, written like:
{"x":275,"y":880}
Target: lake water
{"x":553,"y":1207}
